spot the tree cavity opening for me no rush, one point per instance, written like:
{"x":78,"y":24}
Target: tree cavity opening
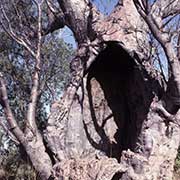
{"x":118,"y":121}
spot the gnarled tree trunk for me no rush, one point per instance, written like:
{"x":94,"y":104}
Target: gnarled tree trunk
{"x":117,"y":119}
{"x":116,"y":111}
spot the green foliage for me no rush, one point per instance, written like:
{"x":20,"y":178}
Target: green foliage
{"x":17,"y":66}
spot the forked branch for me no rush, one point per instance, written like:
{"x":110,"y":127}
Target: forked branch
{"x":165,"y":41}
{"x":7,"y":26}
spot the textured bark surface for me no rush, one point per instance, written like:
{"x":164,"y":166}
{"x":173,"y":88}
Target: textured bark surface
{"x":113,"y":112}
{"x":117,"y":120}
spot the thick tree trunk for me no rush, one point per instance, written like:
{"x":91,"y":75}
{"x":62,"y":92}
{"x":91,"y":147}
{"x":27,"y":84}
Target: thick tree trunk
{"x":112,"y":116}
{"x":112,"y":122}
{"x":115,"y":128}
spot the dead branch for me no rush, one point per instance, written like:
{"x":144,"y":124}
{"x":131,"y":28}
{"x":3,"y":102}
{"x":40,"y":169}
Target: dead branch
{"x":56,"y":19}
{"x":170,"y":8}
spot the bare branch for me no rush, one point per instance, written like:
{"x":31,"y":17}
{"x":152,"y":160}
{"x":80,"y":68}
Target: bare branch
{"x":50,"y":6}
{"x":7,"y":110}
{"x":165,"y":41}
{"x":158,"y":107}
{"x":38,"y":2}
{"x":55,"y":17}
{"x":146,"y":6}
{"x":10,"y":135}
{"x":34,"y":91}
{"x":166,"y":8}
{"x":169,"y":20}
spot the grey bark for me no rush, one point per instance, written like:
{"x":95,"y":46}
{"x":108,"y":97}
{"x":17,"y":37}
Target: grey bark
{"x":109,"y":120}
{"x":115,"y":120}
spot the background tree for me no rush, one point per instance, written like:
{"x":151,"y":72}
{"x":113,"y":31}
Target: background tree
{"x":118,"y":118}
{"x":16,"y":65}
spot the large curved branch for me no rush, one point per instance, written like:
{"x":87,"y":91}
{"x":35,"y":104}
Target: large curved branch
{"x":8,"y":132}
{"x":77,"y":14}
{"x":56,"y":19}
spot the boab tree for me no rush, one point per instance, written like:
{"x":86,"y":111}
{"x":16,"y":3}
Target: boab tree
{"x":119,"y":116}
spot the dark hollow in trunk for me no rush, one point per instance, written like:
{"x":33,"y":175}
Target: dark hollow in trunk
{"x":127,"y":94}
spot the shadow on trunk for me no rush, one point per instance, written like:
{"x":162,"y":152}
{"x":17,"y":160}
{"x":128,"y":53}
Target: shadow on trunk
{"x":128,"y":96}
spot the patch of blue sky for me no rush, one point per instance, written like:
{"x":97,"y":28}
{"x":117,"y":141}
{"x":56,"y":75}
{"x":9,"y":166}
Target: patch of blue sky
{"x":67,"y":35}
{"x":162,"y":62}
{"x":105,"y":6}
